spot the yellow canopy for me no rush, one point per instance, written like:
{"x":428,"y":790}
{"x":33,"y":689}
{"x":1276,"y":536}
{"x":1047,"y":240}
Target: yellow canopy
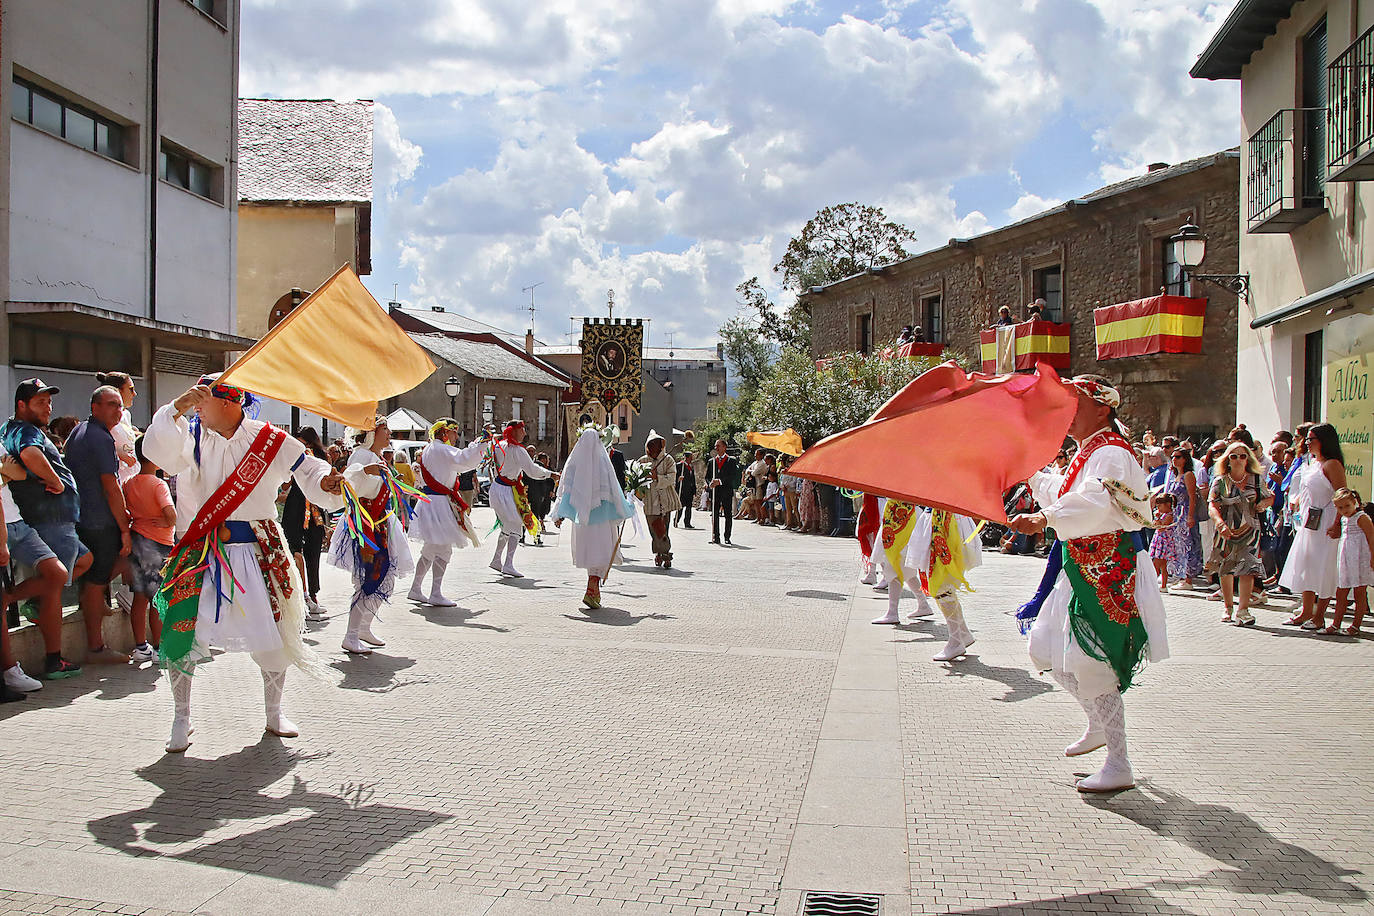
{"x":337,"y":354}
{"x":788,"y":441}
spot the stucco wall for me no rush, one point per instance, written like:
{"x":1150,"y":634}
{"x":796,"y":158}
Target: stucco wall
{"x":281,"y":248}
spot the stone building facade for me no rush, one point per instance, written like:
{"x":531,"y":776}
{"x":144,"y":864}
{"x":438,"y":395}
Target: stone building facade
{"x":1108,"y":247}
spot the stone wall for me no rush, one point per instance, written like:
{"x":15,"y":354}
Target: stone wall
{"x":1110,"y":250}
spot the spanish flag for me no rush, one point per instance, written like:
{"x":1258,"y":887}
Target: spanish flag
{"x":1159,"y":324}
{"x":337,"y":354}
{"x":1021,"y":347}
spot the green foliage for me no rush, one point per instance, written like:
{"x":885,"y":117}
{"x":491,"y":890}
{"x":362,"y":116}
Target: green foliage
{"x":840,"y":241}
{"x":748,"y":352}
{"x":790,"y":331}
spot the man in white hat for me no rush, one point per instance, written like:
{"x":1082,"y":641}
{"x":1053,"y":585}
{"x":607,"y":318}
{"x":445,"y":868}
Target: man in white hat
{"x":443,"y":523}
{"x":662,"y":500}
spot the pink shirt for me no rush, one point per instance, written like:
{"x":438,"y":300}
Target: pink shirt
{"x":146,"y":495}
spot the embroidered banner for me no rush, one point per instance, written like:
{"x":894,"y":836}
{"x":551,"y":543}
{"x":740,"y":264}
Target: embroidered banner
{"x":612,"y":362}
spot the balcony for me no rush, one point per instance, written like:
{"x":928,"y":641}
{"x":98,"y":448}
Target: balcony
{"x":1018,"y":347}
{"x":1284,"y":185}
{"x":1350,"y":120}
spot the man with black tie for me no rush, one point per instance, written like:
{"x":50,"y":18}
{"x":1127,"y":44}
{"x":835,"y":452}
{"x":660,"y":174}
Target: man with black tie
{"x":722,"y":479}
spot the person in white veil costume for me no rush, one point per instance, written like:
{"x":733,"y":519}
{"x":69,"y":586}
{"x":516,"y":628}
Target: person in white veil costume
{"x":590,"y":497}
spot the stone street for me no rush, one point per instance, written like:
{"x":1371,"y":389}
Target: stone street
{"x":721,"y":738}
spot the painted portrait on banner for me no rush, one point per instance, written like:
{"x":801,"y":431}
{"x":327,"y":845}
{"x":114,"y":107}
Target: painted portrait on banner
{"x":612,"y":362}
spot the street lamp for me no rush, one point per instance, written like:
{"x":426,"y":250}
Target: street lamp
{"x":451,"y":388}
{"x":1190,"y":247}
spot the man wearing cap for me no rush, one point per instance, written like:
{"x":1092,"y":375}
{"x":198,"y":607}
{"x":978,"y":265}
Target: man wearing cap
{"x":662,"y":499}
{"x":230,"y":581}
{"x":48,"y":503}
{"x":442,"y":523}
{"x":509,"y":460}
{"x":1098,"y":615}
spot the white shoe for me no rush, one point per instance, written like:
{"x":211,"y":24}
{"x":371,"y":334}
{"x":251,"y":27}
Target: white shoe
{"x":437,"y":599}
{"x":1092,"y":740}
{"x":891,"y":617}
{"x":870,"y":577}
{"x":952,"y":650}
{"x":367,"y":636}
{"x":510,"y":570}
{"x":313,"y":609}
{"x":1112,"y":779}
{"x":282,"y":727}
{"x":880,"y":587}
{"x":923,"y":609}
{"x":146,"y":654}
{"x":353,"y":646}
{"x":16,"y":679}
{"x":181,"y":736}
{"x":416,"y":595}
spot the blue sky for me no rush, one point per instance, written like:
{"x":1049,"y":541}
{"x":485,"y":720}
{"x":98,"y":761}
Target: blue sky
{"x":670,"y":150}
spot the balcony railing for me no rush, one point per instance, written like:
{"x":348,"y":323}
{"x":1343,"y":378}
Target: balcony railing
{"x":1286,"y":171}
{"x":1350,"y":119}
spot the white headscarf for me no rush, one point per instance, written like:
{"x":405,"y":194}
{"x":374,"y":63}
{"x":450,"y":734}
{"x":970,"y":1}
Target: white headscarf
{"x":588,"y":477}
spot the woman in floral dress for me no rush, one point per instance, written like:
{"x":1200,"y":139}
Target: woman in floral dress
{"x":1238,"y":495}
{"x":1181,"y":484}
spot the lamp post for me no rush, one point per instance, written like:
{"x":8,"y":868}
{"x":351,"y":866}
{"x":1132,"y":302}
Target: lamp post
{"x":1190,"y":247}
{"x":451,"y":388}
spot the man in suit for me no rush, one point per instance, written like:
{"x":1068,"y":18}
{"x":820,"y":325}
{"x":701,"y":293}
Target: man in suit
{"x":722,"y":479}
{"x":686,"y":489}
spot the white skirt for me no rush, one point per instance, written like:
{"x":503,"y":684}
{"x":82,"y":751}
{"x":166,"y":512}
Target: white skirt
{"x":592,"y":546}
{"x":436,"y":523}
{"x":1311,"y":563}
{"x":243,"y":623}
{"x":1053,"y":647}
{"x":503,"y":503}
{"x":342,"y":555}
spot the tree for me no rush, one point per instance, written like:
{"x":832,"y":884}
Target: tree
{"x":790,"y":331}
{"x":840,"y":241}
{"x":748,"y":352}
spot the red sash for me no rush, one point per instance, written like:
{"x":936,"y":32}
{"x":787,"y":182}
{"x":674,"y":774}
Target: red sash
{"x":437,"y":487}
{"x":1095,"y":442}
{"x":236,"y":488}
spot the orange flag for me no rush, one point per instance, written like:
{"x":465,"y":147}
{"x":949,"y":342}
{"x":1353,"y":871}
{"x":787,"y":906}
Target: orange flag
{"x":950,"y":440}
{"x":337,"y":354}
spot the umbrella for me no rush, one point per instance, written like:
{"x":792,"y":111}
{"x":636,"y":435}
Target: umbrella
{"x":788,"y":441}
{"x":950,"y":440}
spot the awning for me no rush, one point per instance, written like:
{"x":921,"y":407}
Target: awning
{"x":1347,"y":287}
{"x":87,"y":319}
{"x":405,"y":420}
{"x":788,"y":441}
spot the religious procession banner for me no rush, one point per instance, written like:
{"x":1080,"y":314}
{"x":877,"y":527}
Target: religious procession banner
{"x":1159,"y":324}
{"x":612,"y":362}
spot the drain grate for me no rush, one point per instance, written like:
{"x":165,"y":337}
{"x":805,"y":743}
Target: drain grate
{"x":828,"y":903}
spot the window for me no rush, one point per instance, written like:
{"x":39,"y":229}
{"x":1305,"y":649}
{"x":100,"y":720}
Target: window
{"x":1048,"y":283}
{"x":186,"y":171}
{"x":78,"y":126}
{"x":864,"y":343}
{"x":1174,"y":280}
{"x":712,"y":388}
{"x":49,"y":349}
{"x":623,"y":418}
{"x":1313,"y":369}
{"x":932,"y":320}
{"x":515,"y":407}
{"x":543,"y":419}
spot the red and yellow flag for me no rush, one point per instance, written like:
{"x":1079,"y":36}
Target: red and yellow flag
{"x":1159,"y":324}
{"x":336,"y":355}
{"x":1020,"y":347}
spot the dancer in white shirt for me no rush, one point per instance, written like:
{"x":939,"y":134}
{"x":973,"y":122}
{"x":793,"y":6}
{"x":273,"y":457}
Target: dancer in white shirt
{"x":443,"y":523}
{"x":509,"y":460}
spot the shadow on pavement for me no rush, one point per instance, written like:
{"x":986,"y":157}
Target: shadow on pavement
{"x":1021,"y":685}
{"x":818,"y":595}
{"x":1258,"y":862}
{"x":1125,"y":900}
{"x":671,"y":572}
{"x":522,"y":583}
{"x":456,"y":617}
{"x":615,"y":617}
{"x":375,"y":673}
{"x":105,"y":682}
{"x":200,"y":797}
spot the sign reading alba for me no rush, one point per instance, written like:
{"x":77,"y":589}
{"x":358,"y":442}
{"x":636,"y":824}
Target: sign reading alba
{"x":612,"y":353}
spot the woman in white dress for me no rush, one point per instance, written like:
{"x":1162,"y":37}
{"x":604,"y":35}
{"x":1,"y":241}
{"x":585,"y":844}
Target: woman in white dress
{"x":1311,"y":567}
{"x":590,"y":496}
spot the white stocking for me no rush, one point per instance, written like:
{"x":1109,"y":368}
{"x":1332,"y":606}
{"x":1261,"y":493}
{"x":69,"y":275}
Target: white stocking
{"x":959,"y":636}
{"x":496,"y":557}
{"x":440,"y":566}
{"x":512,"y":542}
{"x":1092,"y":736}
{"x":181,"y":716}
{"x":273,"y":666}
{"x":421,"y":567}
{"x":1111,"y":713}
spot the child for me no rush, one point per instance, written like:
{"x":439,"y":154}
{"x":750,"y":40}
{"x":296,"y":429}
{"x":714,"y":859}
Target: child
{"x":152,"y":519}
{"x":1355,"y":562}
{"x":771,"y":496}
{"x":1164,"y":546}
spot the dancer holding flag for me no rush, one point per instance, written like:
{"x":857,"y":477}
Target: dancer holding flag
{"x":1098,"y":615}
{"x":590,"y":496}
{"x":442,"y":523}
{"x":230,"y":581}
{"x":509,"y":459}
{"x":371,"y":541}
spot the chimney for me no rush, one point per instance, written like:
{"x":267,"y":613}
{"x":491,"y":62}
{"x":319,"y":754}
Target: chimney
{"x":1156,"y":166}
{"x":720,"y":351}
{"x":529,"y":342}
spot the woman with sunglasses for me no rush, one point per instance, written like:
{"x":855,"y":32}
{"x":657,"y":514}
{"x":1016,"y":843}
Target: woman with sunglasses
{"x":1311,"y":567}
{"x":1238,"y":496}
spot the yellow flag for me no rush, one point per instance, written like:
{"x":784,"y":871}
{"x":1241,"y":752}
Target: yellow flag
{"x":337,"y":354}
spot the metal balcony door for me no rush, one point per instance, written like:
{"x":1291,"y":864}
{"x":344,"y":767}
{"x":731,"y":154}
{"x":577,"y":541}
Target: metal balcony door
{"x":1314,"y":91}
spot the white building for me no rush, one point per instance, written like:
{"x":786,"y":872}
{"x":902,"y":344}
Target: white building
{"x":117,"y":198}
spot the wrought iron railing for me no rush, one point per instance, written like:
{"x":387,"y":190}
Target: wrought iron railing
{"x":1350,"y":95}
{"x":1279,"y":161}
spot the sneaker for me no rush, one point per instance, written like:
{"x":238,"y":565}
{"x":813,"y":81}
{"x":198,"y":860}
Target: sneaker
{"x":16,"y":679}
{"x":61,"y":669}
{"x":143,"y":653}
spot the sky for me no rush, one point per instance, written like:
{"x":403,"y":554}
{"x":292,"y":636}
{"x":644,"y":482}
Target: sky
{"x":669,"y":150}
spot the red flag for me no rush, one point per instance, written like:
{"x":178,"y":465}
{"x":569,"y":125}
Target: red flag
{"x":950,"y":440}
{"x":866,"y":529}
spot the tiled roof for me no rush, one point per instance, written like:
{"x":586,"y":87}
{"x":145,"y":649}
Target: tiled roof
{"x":305,"y":150}
{"x":486,"y":360}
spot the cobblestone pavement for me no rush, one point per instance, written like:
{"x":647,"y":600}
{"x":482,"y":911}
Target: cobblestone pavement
{"x":669,"y":753}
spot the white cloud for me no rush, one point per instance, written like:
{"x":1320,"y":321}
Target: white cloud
{"x":1029,"y":205}
{"x":394,"y":158}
